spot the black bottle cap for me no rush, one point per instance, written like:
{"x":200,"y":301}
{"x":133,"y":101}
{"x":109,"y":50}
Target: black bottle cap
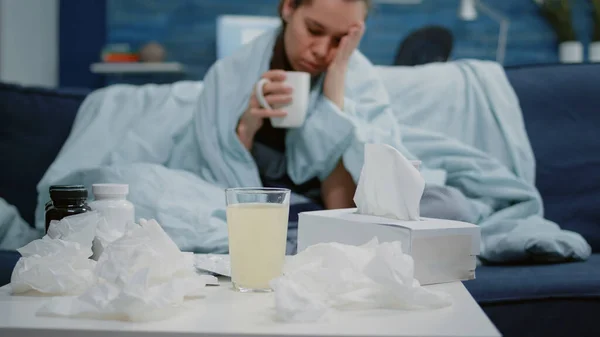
{"x":58,"y":192}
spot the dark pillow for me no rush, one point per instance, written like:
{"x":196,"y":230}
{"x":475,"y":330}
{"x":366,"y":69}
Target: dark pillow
{"x":561,"y":108}
{"x":35,"y":122}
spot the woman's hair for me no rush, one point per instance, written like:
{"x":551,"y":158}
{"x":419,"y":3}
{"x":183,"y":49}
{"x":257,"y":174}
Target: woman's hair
{"x":298,"y":3}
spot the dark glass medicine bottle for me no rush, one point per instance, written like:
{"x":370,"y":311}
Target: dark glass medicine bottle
{"x":66,"y":201}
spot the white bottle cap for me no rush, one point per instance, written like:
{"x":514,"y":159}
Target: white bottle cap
{"x":110,"y":189}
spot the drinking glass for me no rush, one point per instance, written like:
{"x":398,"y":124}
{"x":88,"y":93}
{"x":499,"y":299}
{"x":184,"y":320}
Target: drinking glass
{"x":257,"y":221}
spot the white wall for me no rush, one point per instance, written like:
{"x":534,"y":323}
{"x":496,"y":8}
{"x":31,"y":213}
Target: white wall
{"x":29,"y":42}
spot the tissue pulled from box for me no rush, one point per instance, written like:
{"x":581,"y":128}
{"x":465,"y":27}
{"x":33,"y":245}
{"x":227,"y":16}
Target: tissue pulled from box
{"x":389,"y":185}
{"x":58,"y":263}
{"x":336,"y":276}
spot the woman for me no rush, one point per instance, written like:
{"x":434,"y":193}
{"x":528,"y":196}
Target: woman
{"x":317,"y":37}
{"x":320,"y":38}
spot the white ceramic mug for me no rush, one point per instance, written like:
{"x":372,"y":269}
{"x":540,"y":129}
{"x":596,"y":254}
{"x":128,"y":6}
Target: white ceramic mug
{"x":296,"y":110}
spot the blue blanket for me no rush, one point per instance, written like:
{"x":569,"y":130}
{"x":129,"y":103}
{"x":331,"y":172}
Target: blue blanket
{"x":176,"y":146}
{"x":127,"y":134}
{"x":464,"y":117}
{"x":14,"y":231}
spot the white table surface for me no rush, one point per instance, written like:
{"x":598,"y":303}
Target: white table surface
{"x":225,"y":312}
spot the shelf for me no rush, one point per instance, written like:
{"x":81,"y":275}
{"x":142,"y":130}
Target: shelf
{"x":137,"y":68}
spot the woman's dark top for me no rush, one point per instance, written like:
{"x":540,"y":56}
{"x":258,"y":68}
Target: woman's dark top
{"x":269,"y":144}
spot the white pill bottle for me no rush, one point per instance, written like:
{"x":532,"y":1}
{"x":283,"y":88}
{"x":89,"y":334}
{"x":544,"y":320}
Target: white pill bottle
{"x":110,"y":200}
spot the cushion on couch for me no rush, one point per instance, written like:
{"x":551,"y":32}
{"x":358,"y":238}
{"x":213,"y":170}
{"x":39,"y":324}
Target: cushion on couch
{"x":542,"y":300}
{"x":561,"y":106}
{"x":502,"y":284}
{"x":35,"y":124}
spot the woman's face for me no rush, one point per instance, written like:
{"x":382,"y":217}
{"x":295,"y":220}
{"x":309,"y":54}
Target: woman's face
{"x":315,"y":29}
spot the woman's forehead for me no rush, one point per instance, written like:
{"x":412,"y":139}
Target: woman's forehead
{"x":335,"y":15}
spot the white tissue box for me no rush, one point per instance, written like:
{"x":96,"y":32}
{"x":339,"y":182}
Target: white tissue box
{"x":443,"y":250}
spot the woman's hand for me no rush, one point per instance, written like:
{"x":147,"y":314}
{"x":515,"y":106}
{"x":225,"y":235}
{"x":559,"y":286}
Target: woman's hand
{"x":348,"y":44}
{"x":333,"y":87}
{"x":276,"y":93}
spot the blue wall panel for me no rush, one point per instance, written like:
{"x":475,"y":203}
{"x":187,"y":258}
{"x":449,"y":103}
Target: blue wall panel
{"x":188,"y":28}
{"x":82,"y":34}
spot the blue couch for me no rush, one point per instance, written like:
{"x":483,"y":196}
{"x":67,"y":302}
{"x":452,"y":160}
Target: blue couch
{"x":561,"y":106}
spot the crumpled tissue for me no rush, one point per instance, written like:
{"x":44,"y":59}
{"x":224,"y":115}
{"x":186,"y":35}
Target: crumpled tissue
{"x":58,"y":263}
{"x":389,"y":185}
{"x":343,"y":277}
{"x":140,"y":276}
{"x":106,"y":233}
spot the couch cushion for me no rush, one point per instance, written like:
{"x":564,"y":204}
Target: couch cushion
{"x":494,"y":284}
{"x":560,"y":106}
{"x":35,"y":124}
{"x":541,"y":300}
{"x":548,"y":318}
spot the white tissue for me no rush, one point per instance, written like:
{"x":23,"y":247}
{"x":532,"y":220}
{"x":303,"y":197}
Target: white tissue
{"x":141,"y":276}
{"x":58,"y":263}
{"x":346,"y":277}
{"x":389,"y":185}
{"x":106,"y":233}
{"x":80,"y":228}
